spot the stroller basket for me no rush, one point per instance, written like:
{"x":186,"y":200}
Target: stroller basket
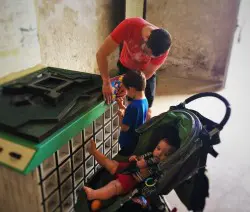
{"x":184,"y":170}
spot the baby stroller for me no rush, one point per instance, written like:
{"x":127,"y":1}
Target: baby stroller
{"x":184,"y":170}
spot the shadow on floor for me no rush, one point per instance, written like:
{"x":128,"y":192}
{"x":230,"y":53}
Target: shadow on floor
{"x":180,"y":86}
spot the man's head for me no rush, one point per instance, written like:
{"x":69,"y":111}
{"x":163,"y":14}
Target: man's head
{"x":158,"y":43}
{"x":169,"y":143}
{"x":134,"y":81}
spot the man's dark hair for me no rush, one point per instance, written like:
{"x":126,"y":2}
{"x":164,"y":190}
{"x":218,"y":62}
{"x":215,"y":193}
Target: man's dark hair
{"x":159,"y":42}
{"x":134,"y":79}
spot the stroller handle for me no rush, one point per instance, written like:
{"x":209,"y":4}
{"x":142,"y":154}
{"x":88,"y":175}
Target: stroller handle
{"x":211,"y":94}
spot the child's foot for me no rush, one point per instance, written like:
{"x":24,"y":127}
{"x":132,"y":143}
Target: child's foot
{"x":89,"y":192}
{"x":91,"y":147}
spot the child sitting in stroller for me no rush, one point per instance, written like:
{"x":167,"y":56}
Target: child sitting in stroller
{"x":168,"y":143}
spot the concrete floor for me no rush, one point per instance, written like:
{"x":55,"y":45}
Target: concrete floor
{"x":229,"y":173}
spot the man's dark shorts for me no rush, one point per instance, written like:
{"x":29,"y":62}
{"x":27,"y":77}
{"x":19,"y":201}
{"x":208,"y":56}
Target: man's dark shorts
{"x":150,"y":87}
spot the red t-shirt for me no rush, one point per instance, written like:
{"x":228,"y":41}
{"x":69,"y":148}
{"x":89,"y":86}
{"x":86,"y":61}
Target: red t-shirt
{"x":129,"y":31}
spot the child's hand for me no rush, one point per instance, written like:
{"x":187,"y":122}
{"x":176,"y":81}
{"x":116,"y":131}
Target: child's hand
{"x":132,"y":158}
{"x":144,"y":173}
{"x":141,"y":163}
{"x":122,"y":92}
{"x":120,"y":102}
{"x":91,"y":148}
{"x":120,"y":113}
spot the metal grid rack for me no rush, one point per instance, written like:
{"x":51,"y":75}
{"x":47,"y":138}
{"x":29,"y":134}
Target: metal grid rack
{"x":61,"y":175}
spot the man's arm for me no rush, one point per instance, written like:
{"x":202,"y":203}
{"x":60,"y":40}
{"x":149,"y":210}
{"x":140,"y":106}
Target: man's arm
{"x":150,"y":70}
{"x":154,"y":65}
{"x":124,"y":127}
{"x":102,"y":54}
{"x":118,"y":35}
{"x":105,"y":50}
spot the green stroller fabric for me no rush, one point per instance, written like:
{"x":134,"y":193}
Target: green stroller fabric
{"x":172,"y":171}
{"x":183,"y":170}
{"x":148,"y":131}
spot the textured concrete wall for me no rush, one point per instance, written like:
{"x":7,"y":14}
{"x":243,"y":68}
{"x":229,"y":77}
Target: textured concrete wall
{"x":19,"y":46}
{"x":70,"y":32}
{"x":202,"y":32}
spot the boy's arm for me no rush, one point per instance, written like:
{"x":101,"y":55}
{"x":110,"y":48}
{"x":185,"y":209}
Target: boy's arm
{"x":124,"y":127}
{"x":120,"y":103}
{"x":129,"y":118}
{"x":142,"y":160}
{"x":150,"y":159}
{"x":121,"y":111}
{"x":146,"y":155}
{"x":132,"y":158}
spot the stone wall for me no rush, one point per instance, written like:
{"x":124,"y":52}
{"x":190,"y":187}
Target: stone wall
{"x":202,"y":32}
{"x":19,"y":45}
{"x":70,"y":32}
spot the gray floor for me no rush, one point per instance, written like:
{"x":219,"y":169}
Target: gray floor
{"x":229,"y":173}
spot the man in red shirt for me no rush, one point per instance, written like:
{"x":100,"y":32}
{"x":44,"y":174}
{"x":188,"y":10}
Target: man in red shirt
{"x":145,"y":48}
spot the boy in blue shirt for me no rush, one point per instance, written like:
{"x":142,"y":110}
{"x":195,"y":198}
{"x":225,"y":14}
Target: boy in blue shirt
{"x":134,"y":115}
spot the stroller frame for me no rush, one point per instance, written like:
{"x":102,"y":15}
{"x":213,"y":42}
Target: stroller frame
{"x":201,"y":143}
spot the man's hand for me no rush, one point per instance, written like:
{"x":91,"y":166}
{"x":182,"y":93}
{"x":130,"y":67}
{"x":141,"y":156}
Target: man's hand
{"x":107,"y":91}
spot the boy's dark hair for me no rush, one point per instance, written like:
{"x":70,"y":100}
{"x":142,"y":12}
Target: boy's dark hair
{"x":159,"y":42}
{"x":168,"y":133}
{"x":171,"y":136}
{"x":134,"y":79}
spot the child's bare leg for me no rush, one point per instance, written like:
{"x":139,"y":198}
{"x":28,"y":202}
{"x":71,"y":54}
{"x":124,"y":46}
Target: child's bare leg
{"x":110,"y":165}
{"x":112,"y":189}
